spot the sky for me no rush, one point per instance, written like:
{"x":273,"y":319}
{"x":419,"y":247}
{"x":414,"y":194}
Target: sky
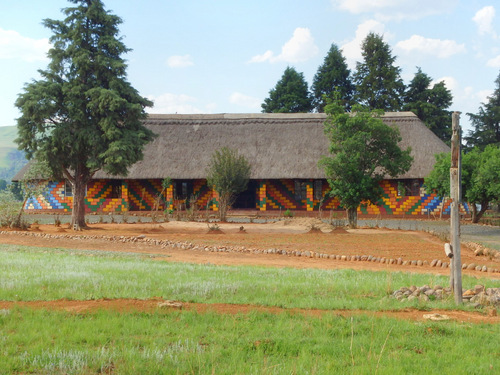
{"x":223,"y":56}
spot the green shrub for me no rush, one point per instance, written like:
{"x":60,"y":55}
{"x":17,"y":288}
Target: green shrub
{"x":9,"y":209}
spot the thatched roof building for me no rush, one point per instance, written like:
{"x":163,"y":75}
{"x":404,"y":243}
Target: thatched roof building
{"x":283,"y":150}
{"x":276,"y":145}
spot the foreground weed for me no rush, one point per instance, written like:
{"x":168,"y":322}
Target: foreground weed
{"x":255,"y":343}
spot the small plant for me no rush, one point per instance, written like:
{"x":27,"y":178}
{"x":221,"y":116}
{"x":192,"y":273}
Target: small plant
{"x":159,"y":200}
{"x":113,"y":219}
{"x":168,"y":214}
{"x":9,"y":210}
{"x":178,"y":211}
{"x":207,"y":210}
{"x":288,"y":213}
{"x":57,"y":221}
{"x":154,"y":217}
{"x":213,"y":227}
{"x":193,"y":206}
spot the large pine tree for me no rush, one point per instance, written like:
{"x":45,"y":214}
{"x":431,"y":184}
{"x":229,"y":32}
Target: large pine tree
{"x":430,"y":104}
{"x":378,"y":81}
{"x":83,"y":115}
{"x":486,"y":122}
{"x":333,"y":80}
{"x":290,"y":95}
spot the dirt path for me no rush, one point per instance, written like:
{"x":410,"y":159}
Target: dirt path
{"x":292,"y":235}
{"x":161,"y":306}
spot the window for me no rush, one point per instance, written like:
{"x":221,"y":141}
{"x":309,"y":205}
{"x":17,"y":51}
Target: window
{"x":300,"y":190}
{"x":318,"y":190}
{"x":408,"y":188}
{"x":68,"y":189}
{"x":415,"y":188}
{"x":183,"y":189}
{"x":116,"y":189}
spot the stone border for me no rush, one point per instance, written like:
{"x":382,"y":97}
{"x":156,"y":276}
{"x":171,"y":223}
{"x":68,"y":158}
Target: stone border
{"x":477,"y":296}
{"x":437,"y":263}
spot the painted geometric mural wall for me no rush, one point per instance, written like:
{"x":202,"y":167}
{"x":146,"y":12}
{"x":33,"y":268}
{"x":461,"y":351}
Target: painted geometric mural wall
{"x":147,"y":195}
{"x":280,"y":194}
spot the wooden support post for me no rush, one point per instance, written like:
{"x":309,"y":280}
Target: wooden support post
{"x":455,"y":191}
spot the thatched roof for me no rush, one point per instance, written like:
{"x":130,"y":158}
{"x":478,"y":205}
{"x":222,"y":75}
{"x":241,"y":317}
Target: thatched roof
{"x":276,"y":145}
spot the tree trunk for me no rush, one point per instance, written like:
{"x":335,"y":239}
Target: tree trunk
{"x":224,"y":201}
{"x":78,"y":214}
{"x":17,"y":223}
{"x":352,"y":217}
{"x":476,"y":216}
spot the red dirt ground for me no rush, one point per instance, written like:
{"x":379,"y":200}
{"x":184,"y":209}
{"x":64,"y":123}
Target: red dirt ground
{"x":152,"y":305}
{"x":287,"y":235}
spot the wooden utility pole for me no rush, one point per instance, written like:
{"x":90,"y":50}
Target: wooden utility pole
{"x":455,"y":194}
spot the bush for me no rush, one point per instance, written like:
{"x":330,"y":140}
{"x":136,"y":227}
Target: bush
{"x":228,"y":172}
{"x":288,"y":213}
{"x":9,"y":210}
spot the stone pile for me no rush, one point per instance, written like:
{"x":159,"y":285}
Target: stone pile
{"x":478,"y":296}
{"x":164,"y":243}
{"x":480,"y":250}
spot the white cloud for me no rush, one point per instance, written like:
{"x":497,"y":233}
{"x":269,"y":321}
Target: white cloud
{"x":352,"y":50}
{"x":299,"y":48}
{"x":174,"y":103}
{"x":484,"y":95}
{"x":268,"y":55}
{"x":15,"y":46}
{"x":396,"y":9}
{"x":494,"y":62}
{"x":484,"y":21}
{"x":435,"y":47}
{"x":364,"y":6}
{"x":450,"y":82}
{"x":180,"y":61}
{"x":245,"y":100}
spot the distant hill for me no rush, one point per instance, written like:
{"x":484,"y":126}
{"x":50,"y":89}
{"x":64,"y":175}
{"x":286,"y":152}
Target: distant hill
{"x":11,"y":159}
{"x":7,"y":136}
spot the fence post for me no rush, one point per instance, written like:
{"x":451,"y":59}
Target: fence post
{"x":455,"y":194}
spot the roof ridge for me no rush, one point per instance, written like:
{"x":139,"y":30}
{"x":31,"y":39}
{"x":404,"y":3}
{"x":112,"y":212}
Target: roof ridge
{"x":247,"y":116}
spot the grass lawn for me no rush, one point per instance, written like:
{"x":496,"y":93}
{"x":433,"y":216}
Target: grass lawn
{"x":58,"y":342}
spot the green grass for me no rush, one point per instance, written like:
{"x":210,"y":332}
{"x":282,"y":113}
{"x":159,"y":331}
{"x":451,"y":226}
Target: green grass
{"x":50,"y":342}
{"x":42,"y":274}
{"x":180,"y":342}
